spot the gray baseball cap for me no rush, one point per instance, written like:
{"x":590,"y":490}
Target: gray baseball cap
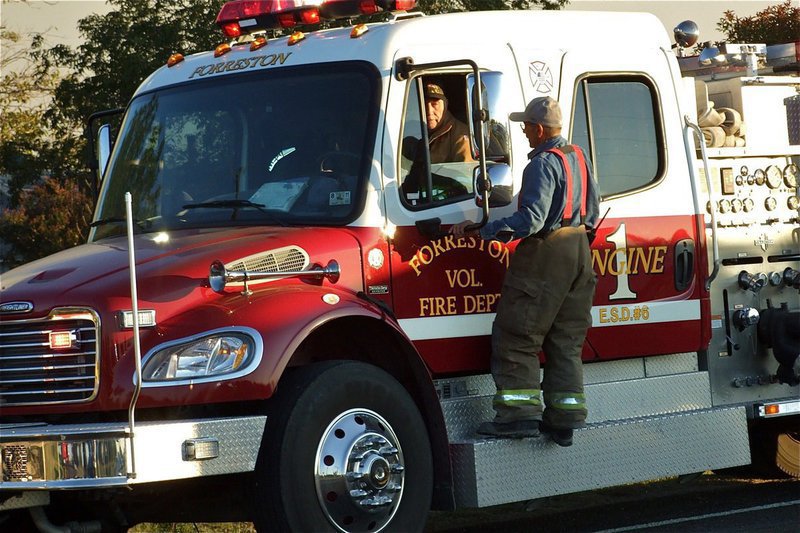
{"x":543,"y":110}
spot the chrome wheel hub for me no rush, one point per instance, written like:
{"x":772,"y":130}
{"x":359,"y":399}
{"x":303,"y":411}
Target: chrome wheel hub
{"x":359,"y":471}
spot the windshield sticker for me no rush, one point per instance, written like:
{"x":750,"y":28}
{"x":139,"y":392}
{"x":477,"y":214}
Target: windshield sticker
{"x":541,"y":77}
{"x":339,"y":198}
{"x":241,"y":64}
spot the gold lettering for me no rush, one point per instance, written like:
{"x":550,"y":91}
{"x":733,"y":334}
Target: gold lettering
{"x":658,"y":261}
{"x":604,"y":315}
{"x":636,"y":256}
{"x":414,"y":263}
{"x":599,"y":264}
{"x":437,"y":247}
{"x":437,"y":306}
{"x":617,"y":262}
{"x":425,"y":255}
{"x":464,"y":278}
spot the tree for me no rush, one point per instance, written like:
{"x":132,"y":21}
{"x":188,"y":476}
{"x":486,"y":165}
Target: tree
{"x":29,"y":150}
{"x":24,"y":93}
{"x":122,"y":47}
{"x":42,"y":117}
{"x":41,"y":225}
{"x":774,"y":25}
{"x":447,"y":6}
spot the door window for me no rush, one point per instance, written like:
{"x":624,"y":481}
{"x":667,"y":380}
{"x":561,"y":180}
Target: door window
{"x":616,"y":119}
{"x":437,"y":153}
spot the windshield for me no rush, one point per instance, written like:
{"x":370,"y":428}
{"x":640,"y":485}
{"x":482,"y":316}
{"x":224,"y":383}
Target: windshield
{"x":278,"y":147}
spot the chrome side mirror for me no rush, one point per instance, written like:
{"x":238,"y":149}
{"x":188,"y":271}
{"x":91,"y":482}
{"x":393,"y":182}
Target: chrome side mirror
{"x":103,"y":149}
{"x":501,"y":185}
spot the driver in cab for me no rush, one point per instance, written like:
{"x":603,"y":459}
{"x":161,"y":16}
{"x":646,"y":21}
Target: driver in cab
{"x":448,"y":142}
{"x":448,"y":137}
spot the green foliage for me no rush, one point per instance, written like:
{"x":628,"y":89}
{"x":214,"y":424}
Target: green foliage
{"x":121,"y":48}
{"x":24,"y":91}
{"x":774,"y":25}
{"x":51,"y":216}
{"x":448,"y":6}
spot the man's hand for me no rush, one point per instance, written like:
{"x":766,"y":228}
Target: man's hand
{"x":459,"y":229}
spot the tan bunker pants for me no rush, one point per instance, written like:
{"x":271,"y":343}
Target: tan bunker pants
{"x":545,"y":305}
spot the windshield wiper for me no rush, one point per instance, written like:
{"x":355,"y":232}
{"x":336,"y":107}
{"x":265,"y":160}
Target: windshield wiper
{"x":235,"y":205}
{"x":116,"y":220}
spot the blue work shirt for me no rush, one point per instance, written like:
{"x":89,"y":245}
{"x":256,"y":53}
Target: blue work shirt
{"x":543,"y":196}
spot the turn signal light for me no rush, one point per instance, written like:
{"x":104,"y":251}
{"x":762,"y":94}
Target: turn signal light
{"x":174,"y":59}
{"x":296,"y":37}
{"x":222,"y":49}
{"x":358,"y":30}
{"x":772,"y":409}
{"x":258,"y":43}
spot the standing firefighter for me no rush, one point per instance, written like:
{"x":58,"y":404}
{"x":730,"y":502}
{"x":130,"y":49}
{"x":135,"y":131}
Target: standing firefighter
{"x":547,"y":292}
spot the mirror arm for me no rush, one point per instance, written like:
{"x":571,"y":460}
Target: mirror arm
{"x":484,"y":183}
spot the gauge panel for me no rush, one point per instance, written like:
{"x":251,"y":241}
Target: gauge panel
{"x":774,"y":177}
{"x":790,"y":175}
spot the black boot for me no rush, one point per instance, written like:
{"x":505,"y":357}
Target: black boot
{"x":561,"y":436}
{"x":517,"y":429}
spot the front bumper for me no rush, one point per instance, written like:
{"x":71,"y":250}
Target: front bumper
{"x":44,"y":457}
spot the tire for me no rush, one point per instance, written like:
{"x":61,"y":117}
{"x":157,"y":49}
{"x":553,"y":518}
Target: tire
{"x":345,"y":449}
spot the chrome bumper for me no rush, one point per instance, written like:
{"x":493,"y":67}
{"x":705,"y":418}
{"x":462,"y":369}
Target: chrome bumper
{"x":98,"y":455}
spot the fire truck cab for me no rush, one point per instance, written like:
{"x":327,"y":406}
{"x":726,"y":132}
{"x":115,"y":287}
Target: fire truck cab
{"x":269,"y":321}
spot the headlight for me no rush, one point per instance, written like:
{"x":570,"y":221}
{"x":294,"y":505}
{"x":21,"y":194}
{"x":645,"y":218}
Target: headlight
{"x":213,"y":355}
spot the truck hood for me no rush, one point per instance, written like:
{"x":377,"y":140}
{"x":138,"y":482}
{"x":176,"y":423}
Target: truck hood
{"x":168,"y":268}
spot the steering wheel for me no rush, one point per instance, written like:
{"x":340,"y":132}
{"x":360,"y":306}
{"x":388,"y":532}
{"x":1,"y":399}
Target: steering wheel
{"x":445,"y":188}
{"x":338,"y":163}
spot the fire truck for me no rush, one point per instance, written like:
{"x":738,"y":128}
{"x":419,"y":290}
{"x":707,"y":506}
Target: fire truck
{"x":267,"y":324}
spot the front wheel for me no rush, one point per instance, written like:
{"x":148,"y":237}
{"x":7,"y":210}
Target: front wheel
{"x":345,"y":449}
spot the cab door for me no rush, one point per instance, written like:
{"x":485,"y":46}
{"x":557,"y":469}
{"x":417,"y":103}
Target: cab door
{"x":623,"y":109}
{"x":445,"y":290}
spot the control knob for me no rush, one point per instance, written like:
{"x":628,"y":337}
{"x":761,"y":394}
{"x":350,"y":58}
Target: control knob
{"x":752,"y":282}
{"x":791,"y":278}
{"x":746,"y":317}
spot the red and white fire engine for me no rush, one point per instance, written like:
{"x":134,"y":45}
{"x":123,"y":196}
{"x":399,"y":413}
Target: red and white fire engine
{"x":266,"y":325}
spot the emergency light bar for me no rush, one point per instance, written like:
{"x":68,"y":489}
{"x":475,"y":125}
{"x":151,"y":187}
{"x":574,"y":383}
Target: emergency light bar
{"x":241,"y":17}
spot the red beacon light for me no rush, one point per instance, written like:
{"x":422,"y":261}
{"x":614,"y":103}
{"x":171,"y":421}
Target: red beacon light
{"x":242,"y":17}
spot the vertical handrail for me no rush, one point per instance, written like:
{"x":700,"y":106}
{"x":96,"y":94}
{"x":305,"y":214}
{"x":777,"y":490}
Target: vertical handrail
{"x":714,"y":241}
{"x":137,"y":350}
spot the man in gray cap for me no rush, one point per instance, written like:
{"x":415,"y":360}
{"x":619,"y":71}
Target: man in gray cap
{"x":547,"y":294}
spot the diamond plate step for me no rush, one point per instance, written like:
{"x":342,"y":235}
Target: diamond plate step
{"x":495,"y":471}
{"x":617,"y":400}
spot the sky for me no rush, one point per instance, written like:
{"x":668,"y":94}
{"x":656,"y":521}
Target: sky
{"x":58,"y":18}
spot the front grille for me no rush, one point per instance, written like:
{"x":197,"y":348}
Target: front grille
{"x":32,"y":372}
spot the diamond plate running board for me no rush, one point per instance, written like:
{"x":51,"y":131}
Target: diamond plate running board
{"x":495,"y":471}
